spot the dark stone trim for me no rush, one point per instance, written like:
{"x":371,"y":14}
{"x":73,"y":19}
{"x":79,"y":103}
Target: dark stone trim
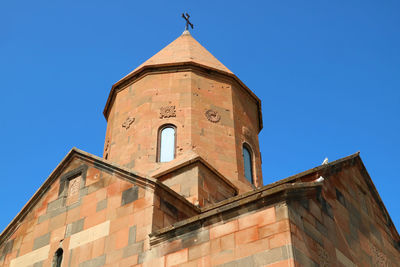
{"x":64,"y":180}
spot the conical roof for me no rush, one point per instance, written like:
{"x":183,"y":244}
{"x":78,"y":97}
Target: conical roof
{"x":184,"y":49}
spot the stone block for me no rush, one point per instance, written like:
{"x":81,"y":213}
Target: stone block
{"x":129,"y":195}
{"x":31,"y":258}
{"x":96,"y":262}
{"x":176,"y":258}
{"x":312,"y":232}
{"x":133,"y":249}
{"x":89,"y":235}
{"x":132,"y":235}
{"x":41,"y":241}
{"x":101,"y":205}
{"x":223,"y":229}
{"x":74,"y":227}
{"x":301,"y":258}
{"x":56,"y":204}
{"x":195,"y":238}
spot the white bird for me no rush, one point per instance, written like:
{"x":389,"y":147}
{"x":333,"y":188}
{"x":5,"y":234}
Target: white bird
{"x":325,"y":161}
{"x":320,"y":179}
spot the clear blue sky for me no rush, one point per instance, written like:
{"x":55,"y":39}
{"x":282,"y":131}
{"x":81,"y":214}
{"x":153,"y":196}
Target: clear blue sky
{"x":327,"y":72}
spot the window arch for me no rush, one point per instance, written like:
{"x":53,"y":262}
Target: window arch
{"x":166,"y":143}
{"x":248,"y":163}
{"x":58,"y":258}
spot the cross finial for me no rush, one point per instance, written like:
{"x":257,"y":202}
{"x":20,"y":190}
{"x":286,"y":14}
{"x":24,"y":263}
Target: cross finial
{"x":187,"y":21}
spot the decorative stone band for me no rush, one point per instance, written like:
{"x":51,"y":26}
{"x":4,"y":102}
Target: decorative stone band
{"x":89,"y":235}
{"x":31,"y":258}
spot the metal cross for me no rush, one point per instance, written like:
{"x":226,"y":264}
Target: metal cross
{"x":187,"y":21}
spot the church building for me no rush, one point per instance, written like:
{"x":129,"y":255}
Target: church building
{"x":180,"y":184}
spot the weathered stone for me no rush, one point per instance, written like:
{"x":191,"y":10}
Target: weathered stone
{"x":133,"y":249}
{"x":101,"y":205}
{"x":195,"y":238}
{"x":56,"y":204}
{"x":303,"y":259}
{"x":129,"y":195}
{"x":132,"y":235}
{"x":41,"y":241}
{"x":74,"y":227}
{"x":96,"y":262}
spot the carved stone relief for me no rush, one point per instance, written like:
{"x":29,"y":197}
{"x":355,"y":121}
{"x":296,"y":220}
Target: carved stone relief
{"x":127,"y":123}
{"x":246,"y":132}
{"x":323,"y":256}
{"x":378,"y":258}
{"x":74,"y":186}
{"x":213,"y":116}
{"x":107,"y":148}
{"x":167,"y":112}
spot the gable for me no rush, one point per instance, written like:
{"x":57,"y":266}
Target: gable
{"x":84,"y":200}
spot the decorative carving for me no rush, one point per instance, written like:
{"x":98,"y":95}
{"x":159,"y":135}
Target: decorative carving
{"x":167,"y":112}
{"x":127,"y":123}
{"x":378,"y":258}
{"x":323,"y":256}
{"x":246,"y":132}
{"x":74,"y":186}
{"x":213,"y":116}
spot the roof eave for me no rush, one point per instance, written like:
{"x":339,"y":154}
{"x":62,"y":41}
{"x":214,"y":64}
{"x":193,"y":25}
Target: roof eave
{"x":148,"y":68}
{"x":128,"y":175}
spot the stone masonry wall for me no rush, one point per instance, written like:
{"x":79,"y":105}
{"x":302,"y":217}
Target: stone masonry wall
{"x":96,"y":218}
{"x":343,"y":226}
{"x":258,"y":237}
{"x":198,"y":184}
{"x":205,"y":111}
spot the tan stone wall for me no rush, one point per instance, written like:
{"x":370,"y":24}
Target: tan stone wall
{"x":109,"y":222}
{"x":258,"y":238}
{"x":246,"y":130}
{"x":198,"y":184}
{"x":136,"y":147}
{"x":344,"y":226}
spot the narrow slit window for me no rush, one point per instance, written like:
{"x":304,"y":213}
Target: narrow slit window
{"x":167,"y":144}
{"x":58,"y":258}
{"x":248,"y":164}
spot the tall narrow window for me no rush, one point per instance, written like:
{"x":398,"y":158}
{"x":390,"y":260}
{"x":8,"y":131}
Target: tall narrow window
{"x":248,"y":164}
{"x":58,"y":258}
{"x":166,"y":143}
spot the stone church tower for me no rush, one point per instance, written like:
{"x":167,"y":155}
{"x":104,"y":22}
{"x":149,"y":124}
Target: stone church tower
{"x":180,"y":184}
{"x":212,"y":112}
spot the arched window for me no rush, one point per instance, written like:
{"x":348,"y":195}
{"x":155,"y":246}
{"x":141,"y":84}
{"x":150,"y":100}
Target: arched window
{"x":166,"y":143}
{"x":248,"y":163}
{"x":58,"y":258}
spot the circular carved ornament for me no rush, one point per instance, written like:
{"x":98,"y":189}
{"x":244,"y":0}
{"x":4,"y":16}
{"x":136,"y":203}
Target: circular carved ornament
{"x":213,"y":116}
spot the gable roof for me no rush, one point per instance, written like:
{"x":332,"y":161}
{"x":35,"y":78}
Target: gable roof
{"x":119,"y":171}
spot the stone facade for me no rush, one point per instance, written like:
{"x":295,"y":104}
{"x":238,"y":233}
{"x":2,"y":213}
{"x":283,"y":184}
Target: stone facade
{"x":186,"y":95}
{"x":127,"y":209}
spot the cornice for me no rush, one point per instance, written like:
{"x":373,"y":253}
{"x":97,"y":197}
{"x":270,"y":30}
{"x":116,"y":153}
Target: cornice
{"x":175,"y":67}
